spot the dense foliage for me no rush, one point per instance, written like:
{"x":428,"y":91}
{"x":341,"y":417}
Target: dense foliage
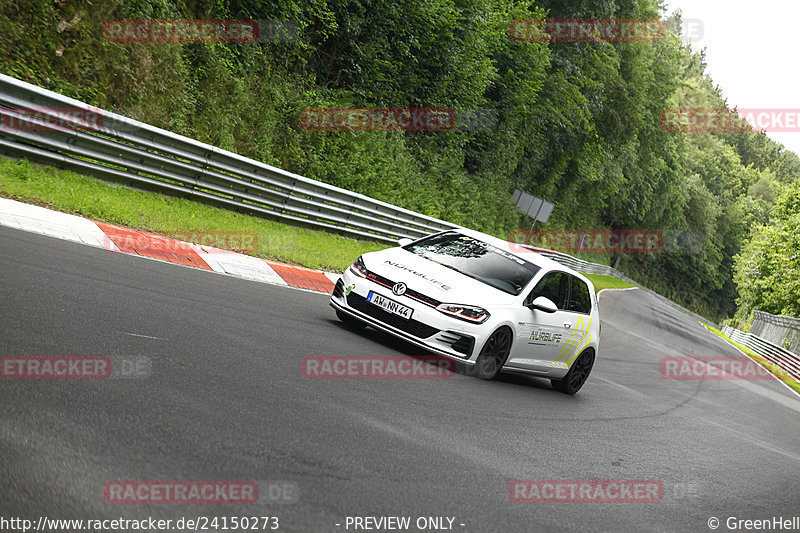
{"x":768,"y":268}
{"x":576,"y":123}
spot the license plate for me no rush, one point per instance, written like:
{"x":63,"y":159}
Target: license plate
{"x":391,"y":306}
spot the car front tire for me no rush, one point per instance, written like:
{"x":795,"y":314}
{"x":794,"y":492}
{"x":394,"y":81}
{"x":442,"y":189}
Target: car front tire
{"x":494,"y":354}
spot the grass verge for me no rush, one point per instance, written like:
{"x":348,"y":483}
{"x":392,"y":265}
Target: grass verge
{"x":763,"y":362}
{"x":601,"y":282}
{"x":171,"y":216}
{"x":67,"y":191}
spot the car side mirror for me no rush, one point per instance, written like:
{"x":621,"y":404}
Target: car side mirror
{"x":404,"y":242}
{"x":543,"y":303}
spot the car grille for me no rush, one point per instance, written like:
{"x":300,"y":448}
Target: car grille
{"x":338,"y":290}
{"x":464,"y":345}
{"x":458,"y":342}
{"x":386,"y":282}
{"x":422,"y":298}
{"x":410,"y":326}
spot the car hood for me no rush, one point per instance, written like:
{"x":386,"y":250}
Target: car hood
{"x":432,"y":279}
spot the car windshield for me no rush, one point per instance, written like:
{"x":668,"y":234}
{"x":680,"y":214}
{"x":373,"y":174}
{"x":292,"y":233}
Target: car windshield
{"x":477,"y":259}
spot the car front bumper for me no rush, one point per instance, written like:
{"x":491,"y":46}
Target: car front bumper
{"x":427,"y":327}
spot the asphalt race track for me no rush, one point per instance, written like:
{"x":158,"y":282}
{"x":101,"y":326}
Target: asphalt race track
{"x":225,"y":400}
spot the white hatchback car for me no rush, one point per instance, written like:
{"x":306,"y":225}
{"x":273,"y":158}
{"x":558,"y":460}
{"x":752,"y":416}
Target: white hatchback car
{"x":490,"y":304}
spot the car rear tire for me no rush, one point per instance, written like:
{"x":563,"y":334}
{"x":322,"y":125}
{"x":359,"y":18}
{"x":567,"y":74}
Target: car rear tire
{"x":494,"y":354}
{"x":577,"y":375}
{"x":349,"y":321}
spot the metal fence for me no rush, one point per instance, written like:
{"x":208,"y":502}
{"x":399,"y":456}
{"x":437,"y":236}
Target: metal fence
{"x":595,"y":268}
{"x":785,"y":359}
{"x":579,"y":264}
{"x":781,"y":330}
{"x":121,"y":149}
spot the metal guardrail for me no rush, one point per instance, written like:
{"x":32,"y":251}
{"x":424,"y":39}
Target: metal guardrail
{"x":778,"y":329}
{"x":785,"y":359}
{"x":595,"y":268}
{"x":781,"y":320}
{"x":122,"y":149}
{"x":577,"y":264}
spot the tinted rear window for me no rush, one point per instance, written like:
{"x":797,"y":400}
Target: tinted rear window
{"x":579,"y":299}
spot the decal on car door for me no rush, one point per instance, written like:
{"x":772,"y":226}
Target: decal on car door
{"x":575,"y":343}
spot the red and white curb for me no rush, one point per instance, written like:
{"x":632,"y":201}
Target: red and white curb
{"x":117,"y":239}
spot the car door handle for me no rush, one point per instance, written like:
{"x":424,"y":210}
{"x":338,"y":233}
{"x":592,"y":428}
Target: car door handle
{"x":567,"y":325}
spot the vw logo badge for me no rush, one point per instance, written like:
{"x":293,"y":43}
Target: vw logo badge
{"x":399,"y":288}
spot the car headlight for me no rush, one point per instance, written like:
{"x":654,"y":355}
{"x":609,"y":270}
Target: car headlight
{"x":359,"y":268}
{"x":468,"y":313}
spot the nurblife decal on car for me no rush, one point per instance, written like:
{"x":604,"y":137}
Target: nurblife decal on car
{"x":544,"y":337}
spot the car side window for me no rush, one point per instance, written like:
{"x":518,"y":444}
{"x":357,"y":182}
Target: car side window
{"x":555,"y":287}
{"x":579,"y":299}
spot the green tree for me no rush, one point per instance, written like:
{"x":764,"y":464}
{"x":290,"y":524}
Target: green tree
{"x":767,"y":271}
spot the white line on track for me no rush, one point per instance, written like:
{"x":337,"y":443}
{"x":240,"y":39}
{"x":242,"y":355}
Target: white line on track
{"x":144,"y":336}
{"x":610,"y":289}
